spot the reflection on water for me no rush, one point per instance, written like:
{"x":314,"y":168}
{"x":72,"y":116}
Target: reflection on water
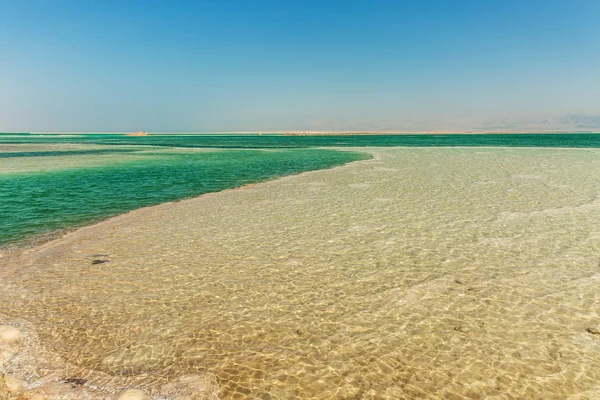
{"x":422,"y":273}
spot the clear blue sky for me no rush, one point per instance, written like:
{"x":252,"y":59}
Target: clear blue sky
{"x":283,"y":64}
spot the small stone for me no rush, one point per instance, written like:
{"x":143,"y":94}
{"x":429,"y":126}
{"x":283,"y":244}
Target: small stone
{"x":593,"y":331}
{"x":14,"y":385}
{"x":75,"y":381}
{"x":4,"y":394}
{"x":461,"y":329}
{"x":9,"y":334}
{"x":133,"y":394}
{"x":5,"y":356}
{"x":94,"y":262}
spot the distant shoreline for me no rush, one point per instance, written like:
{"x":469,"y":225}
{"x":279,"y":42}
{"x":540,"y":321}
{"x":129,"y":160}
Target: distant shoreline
{"x":429,"y":133}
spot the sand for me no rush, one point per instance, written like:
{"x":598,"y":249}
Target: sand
{"x":422,"y":273}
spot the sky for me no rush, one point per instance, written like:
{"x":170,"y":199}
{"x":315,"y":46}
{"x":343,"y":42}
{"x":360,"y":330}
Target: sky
{"x":260,"y":65}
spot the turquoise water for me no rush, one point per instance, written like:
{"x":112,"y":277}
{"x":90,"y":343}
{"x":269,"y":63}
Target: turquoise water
{"x":40,"y":200}
{"x":34,"y":202}
{"x":54,"y":153}
{"x":280,"y":141}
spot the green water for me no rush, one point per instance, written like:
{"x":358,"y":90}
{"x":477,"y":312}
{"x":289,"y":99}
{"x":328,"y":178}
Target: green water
{"x":280,"y":141}
{"x":55,"y":190}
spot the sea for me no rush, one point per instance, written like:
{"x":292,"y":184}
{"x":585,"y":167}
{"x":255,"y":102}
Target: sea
{"x":302,"y":267}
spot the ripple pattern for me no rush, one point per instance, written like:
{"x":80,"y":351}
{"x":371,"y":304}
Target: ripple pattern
{"x":422,"y":273}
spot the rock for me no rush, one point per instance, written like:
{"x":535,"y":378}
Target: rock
{"x":5,"y":355}
{"x":14,"y":385}
{"x":593,"y":331}
{"x":133,"y":394}
{"x":75,"y":381}
{"x":9,"y":334}
{"x":4,"y":394}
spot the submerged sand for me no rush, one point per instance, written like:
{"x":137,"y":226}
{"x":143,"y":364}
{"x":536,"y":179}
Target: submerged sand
{"x":422,"y":273}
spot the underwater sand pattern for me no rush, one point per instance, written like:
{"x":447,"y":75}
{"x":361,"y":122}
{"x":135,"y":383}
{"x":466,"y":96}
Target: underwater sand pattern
{"x":422,"y":273}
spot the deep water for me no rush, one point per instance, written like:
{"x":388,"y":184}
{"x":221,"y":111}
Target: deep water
{"x":281,"y":141}
{"x":38,"y":202}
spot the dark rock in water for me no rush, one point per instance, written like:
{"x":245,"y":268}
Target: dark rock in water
{"x":593,"y":331}
{"x":75,"y":381}
{"x":99,"y":262}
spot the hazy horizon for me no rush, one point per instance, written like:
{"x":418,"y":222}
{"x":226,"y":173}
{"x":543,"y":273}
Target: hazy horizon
{"x":267,"y":65}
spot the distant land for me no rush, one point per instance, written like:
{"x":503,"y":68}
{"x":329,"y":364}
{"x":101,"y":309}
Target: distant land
{"x":580,"y":122}
{"x":325,"y":133}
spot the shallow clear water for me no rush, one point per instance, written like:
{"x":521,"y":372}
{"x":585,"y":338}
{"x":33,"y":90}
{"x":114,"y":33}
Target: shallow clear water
{"x":61,"y":186}
{"x":423,"y":273}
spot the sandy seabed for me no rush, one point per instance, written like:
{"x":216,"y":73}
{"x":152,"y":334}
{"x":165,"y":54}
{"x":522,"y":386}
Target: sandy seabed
{"x":423,"y":273}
